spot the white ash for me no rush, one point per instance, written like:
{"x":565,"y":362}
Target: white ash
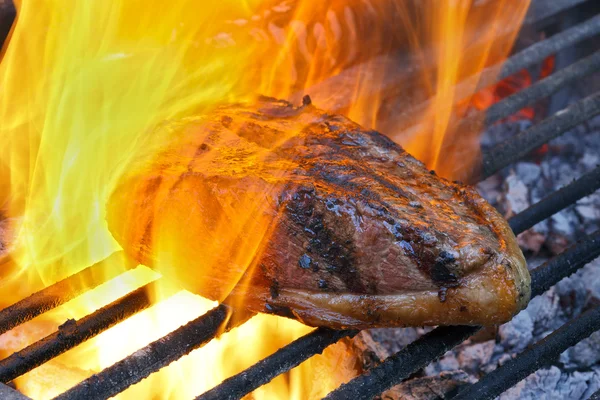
{"x":501,"y":132}
{"x":584,"y":354}
{"x":554,"y":384}
{"x":516,"y":336}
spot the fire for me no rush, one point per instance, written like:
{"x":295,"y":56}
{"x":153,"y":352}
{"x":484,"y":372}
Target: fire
{"x":87,"y":86}
{"x":452,"y":43}
{"x":467,"y":40}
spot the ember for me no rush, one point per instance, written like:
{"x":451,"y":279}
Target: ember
{"x":509,"y":86}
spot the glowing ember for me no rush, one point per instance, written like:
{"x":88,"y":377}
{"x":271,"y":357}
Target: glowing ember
{"x":509,"y":86}
{"x":84,"y":86}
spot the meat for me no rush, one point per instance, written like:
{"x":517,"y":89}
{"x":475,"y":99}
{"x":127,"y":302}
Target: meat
{"x":291,"y":211}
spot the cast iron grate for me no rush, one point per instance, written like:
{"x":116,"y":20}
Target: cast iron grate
{"x":395,"y":368}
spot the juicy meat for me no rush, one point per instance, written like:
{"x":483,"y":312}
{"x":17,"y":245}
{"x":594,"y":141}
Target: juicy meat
{"x":291,"y":211}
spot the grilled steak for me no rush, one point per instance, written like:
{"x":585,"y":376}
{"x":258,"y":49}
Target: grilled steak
{"x":291,"y":211}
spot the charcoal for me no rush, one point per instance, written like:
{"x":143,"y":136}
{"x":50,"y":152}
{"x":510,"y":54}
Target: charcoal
{"x":584,"y":354}
{"x":587,"y":211}
{"x":564,"y":223}
{"x":369,"y":352}
{"x":532,"y":240}
{"x":395,"y":339}
{"x":429,"y":388}
{"x":590,"y":160}
{"x":490,"y":189}
{"x":552,"y":384}
{"x":589,"y":208}
{"x":556,"y":243}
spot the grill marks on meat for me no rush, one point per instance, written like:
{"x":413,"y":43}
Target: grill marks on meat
{"x":328,"y":249}
{"x":341,"y":227}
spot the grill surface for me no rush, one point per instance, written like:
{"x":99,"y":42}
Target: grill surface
{"x":399,"y":366}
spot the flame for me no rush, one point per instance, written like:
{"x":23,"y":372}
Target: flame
{"x":362,"y":40}
{"x":467,"y":41}
{"x":88,"y":86}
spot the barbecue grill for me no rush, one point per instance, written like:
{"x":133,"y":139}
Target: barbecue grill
{"x":404,"y":363}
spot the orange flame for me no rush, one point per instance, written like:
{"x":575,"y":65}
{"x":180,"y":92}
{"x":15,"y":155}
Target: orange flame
{"x":349,"y":55}
{"x":86,"y":86}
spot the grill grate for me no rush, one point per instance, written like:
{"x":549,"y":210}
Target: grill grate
{"x":72,"y":333}
{"x":399,"y":366}
{"x":531,"y":360}
{"x":59,"y":293}
{"x":157,"y":355}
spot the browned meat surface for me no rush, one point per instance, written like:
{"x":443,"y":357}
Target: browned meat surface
{"x":291,"y":211}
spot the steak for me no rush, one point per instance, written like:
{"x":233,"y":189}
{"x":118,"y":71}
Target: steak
{"x":292,"y":211}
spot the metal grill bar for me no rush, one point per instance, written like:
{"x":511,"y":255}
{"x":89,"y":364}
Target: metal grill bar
{"x":553,"y":203}
{"x":519,"y":146}
{"x":279,"y":362}
{"x":156,"y":355}
{"x":433,"y":345}
{"x":72,"y":333}
{"x":529,"y":95}
{"x":442,"y":339}
{"x":540,"y":355}
{"x":543,"y":88}
{"x":61,"y":292}
{"x":543,"y":10}
{"x":540,"y":50}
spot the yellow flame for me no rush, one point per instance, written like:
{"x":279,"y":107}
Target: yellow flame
{"x":83,"y":87}
{"x":450,"y":42}
{"x":86,"y":86}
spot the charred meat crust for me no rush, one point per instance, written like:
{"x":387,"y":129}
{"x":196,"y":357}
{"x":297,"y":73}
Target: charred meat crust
{"x":359,"y":233}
